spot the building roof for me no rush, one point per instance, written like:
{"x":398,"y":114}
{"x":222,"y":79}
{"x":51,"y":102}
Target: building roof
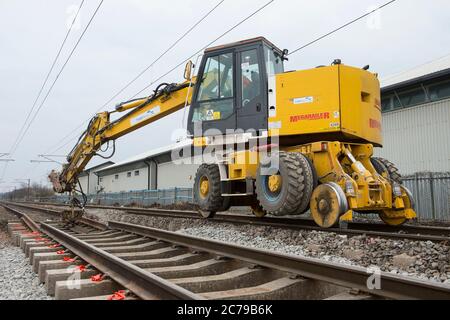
{"x":149,"y":154}
{"x":244,"y":42}
{"x":426,"y":71}
{"x":94,"y":168}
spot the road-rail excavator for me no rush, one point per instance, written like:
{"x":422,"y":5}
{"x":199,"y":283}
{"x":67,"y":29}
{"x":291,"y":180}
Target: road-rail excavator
{"x":292,"y":142}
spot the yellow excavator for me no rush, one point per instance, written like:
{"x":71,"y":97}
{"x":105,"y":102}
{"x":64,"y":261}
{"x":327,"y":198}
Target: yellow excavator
{"x":283,"y":143}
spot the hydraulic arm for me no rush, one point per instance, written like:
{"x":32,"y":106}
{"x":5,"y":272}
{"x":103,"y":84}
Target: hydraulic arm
{"x":167,"y":99}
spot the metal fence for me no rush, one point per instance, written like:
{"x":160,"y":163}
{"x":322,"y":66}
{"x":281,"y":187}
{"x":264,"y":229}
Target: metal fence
{"x":431,"y":193}
{"x":140,"y":198}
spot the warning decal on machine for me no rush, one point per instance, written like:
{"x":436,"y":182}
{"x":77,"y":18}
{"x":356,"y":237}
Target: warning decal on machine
{"x":146,"y":115}
{"x":303,"y":100}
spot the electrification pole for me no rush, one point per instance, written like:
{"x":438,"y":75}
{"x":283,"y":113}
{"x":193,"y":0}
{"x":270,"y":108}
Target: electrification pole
{"x":29,"y":187}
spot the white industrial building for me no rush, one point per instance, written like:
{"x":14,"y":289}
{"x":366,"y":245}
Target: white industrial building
{"x":152,"y":170}
{"x":416,"y":129}
{"x":416,"y":118}
{"x":89,"y":180}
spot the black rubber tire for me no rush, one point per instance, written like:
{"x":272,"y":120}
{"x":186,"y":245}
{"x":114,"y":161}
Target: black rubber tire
{"x":388,"y":167}
{"x":314,"y":171}
{"x":294,"y":191}
{"x":226,"y":204}
{"x":310,"y":181}
{"x":214,"y":201}
{"x":379,"y":166}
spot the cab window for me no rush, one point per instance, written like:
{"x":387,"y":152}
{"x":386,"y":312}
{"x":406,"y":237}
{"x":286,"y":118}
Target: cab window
{"x":251,"y":76}
{"x":274,"y":63}
{"x":215,"y":97}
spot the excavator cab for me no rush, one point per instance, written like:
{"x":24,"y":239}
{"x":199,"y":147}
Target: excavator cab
{"x":232,"y":90}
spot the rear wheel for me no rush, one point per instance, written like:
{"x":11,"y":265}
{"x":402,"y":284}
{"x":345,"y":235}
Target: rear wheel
{"x":207,"y":191}
{"x":287,"y":189}
{"x":387,"y":169}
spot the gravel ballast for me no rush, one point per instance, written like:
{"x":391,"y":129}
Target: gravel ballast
{"x":17,"y":279}
{"x":418,"y":259}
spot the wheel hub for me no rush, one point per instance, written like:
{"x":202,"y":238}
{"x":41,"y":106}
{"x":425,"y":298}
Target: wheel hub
{"x":204,"y":187}
{"x":328,"y":204}
{"x":275,"y":183}
{"x":324,"y":206}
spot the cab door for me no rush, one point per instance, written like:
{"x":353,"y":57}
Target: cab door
{"x":213,"y":109}
{"x":251,"y":82}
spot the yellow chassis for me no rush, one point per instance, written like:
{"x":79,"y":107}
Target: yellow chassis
{"x":347,"y":165}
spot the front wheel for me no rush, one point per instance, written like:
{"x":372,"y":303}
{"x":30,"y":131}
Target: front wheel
{"x":286,"y":188}
{"x":207,"y":191}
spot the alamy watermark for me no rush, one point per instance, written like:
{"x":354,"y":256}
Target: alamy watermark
{"x":233,"y":142}
{"x":73,"y":19}
{"x":374,"y":21}
{"x":374,"y":280}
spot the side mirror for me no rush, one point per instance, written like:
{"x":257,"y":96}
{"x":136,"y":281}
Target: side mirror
{"x":188,"y":70}
{"x":285,"y":54}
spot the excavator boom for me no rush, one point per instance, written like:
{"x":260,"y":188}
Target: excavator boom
{"x":167,"y":99}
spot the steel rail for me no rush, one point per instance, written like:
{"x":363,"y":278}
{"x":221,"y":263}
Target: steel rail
{"x":88,"y":222}
{"x":144,"y":284}
{"x":304,"y":224}
{"x":435,"y":234}
{"x":24,"y":217}
{"x":280,"y":221}
{"x":394,"y":287}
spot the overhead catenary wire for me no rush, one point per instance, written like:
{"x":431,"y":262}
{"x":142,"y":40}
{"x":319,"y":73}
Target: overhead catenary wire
{"x":48,"y":74}
{"x":140,"y":74}
{"x":165,"y":74}
{"x":58,"y":75}
{"x":341,"y":27}
{"x":291,"y":53}
{"x":203,"y":48}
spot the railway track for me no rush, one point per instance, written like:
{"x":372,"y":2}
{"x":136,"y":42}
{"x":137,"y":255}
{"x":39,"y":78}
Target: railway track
{"x":144,"y":263}
{"x":410,"y":232}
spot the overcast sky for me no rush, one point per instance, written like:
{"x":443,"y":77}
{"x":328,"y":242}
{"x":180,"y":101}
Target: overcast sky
{"x":126,"y":36}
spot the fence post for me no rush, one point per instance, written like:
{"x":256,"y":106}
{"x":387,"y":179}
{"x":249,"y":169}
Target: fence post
{"x":175,"y":196}
{"x":433,"y":204}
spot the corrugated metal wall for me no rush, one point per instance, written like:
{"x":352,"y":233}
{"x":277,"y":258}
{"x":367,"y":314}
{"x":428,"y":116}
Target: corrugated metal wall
{"x":417,"y":139}
{"x":432,"y":194}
